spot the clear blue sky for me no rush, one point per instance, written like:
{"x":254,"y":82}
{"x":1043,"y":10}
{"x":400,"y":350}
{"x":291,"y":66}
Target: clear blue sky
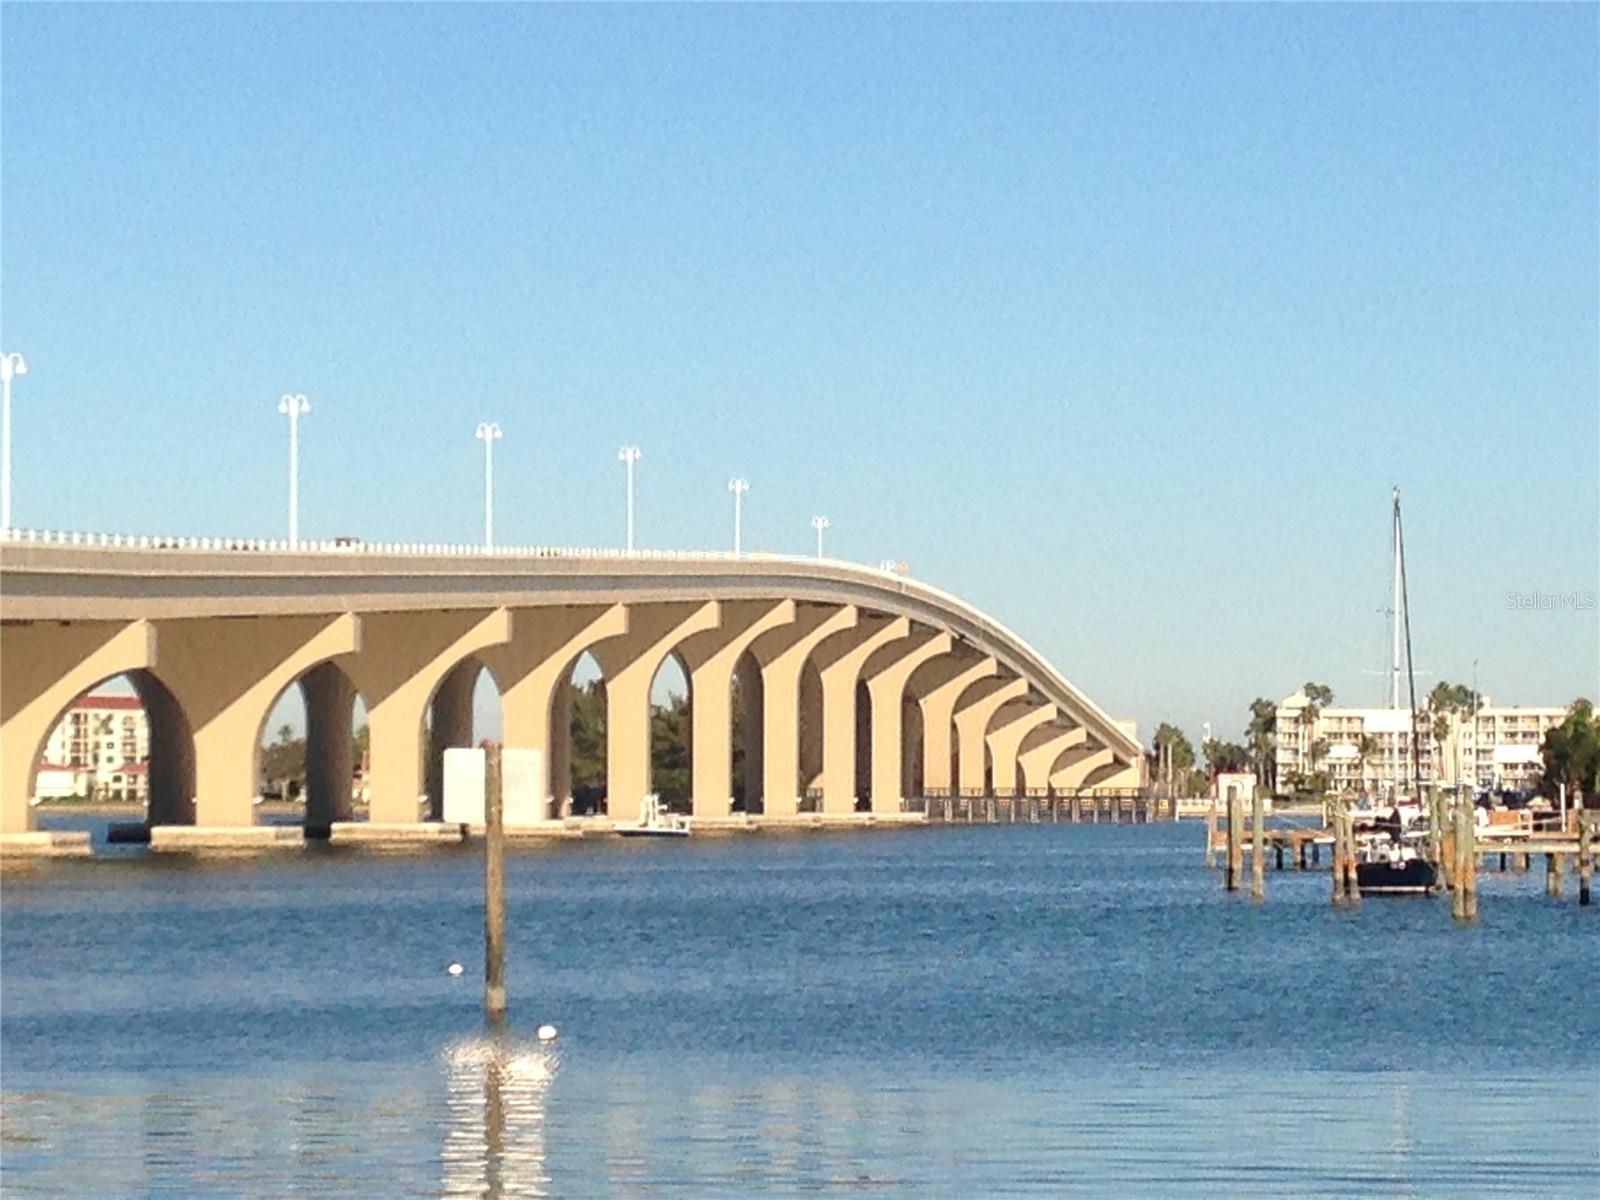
{"x":1118,"y":321}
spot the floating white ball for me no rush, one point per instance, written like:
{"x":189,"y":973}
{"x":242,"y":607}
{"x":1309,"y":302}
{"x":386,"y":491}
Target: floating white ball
{"x":455,"y":968}
{"x":547,"y":1033}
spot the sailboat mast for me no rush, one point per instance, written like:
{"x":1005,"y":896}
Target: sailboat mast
{"x":1395,"y":568}
{"x":1411,"y":674}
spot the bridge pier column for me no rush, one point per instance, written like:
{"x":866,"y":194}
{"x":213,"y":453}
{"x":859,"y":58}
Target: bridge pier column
{"x":449,"y":727}
{"x":403,"y":659}
{"x":1041,"y":750}
{"x":1010,"y":727}
{"x":1074,"y":766}
{"x":225,"y":673}
{"x":782,"y":655}
{"x":630,"y":663}
{"x":972,"y":727}
{"x":887,"y":680}
{"x":942,"y":684}
{"x":840,"y":661}
{"x":47,"y":666}
{"x":711,"y":658}
{"x":534,"y":670}
{"x":330,"y":705}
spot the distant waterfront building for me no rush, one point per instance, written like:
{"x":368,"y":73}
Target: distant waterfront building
{"x":101,"y":745}
{"x":1367,"y":749}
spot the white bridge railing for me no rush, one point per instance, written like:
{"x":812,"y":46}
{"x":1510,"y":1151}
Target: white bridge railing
{"x":130,"y":541}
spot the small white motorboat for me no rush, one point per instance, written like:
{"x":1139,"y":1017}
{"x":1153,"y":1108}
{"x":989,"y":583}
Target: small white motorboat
{"x":656,"y":821}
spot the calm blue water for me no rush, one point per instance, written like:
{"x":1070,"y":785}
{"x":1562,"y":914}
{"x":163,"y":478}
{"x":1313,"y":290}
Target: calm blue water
{"x":950,"y":1012}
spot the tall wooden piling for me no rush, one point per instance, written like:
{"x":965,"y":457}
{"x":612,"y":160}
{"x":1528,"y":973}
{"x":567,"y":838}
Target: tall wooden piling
{"x":1211,"y":834}
{"x":1258,"y":845}
{"x":1586,"y":825}
{"x":1335,"y":818}
{"x":1352,"y":876}
{"x":494,"y":890}
{"x":1435,"y":844}
{"x":1235,"y":844}
{"x":1077,"y":809}
{"x":1552,"y":876}
{"x":1469,"y":865}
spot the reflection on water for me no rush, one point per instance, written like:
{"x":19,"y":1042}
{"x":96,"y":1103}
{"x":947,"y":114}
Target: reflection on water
{"x":494,"y":1097}
{"x":963,"y":1013}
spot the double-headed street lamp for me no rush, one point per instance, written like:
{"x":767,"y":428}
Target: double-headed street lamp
{"x":12,"y":364}
{"x":488,"y":433}
{"x":819,"y":524}
{"x":738,"y":487}
{"x":295,"y":405}
{"x":630,"y":455}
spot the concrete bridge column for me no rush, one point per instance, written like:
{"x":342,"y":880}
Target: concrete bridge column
{"x":942,"y":683}
{"x":450,"y":726}
{"x":782,"y":655}
{"x":1041,"y":750}
{"x":1073,"y":768}
{"x":225,"y":673}
{"x":403,"y":659}
{"x":711,"y":658}
{"x":886,"y":687}
{"x":330,"y":766}
{"x":1117,"y":774}
{"x":47,"y":665}
{"x":534,"y":670}
{"x":1010,"y":726}
{"x":630,"y":663}
{"x":972,"y":718}
{"x":840,"y":660}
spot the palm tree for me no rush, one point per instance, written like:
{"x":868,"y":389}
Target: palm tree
{"x":1366,"y":747}
{"x":1260,"y":734}
{"x":1317,"y":695}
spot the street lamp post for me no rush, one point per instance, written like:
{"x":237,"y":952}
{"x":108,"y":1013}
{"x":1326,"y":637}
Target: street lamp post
{"x":819,"y":524}
{"x":630,"y":455}
{"x":488,"y":433}
{"x":738,"y":487}
{"x":12,"y":364}
{"x":295,"y":405}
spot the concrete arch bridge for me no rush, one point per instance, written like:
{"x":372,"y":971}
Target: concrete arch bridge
{"x":858,"y":687}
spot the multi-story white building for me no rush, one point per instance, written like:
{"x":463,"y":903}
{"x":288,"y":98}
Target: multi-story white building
{"x":101,"y":745}
{"x":1368,"y":749}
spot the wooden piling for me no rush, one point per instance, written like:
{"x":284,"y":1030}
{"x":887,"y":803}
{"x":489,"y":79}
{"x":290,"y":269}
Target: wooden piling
{"x":494,"y":890}
{"x":1352,"y":878}
{"x":1552,"y":876}
{"x":1077,"y":809}
{"x":1335,"y":819}
{"x":1211,"y":834}
{"x":1458,"y":878}
{"x":1235,"y":844}
{"x":1469,"y":839}
{"x":1435,"y":844}
{"x":1585,"y":854}
{"x":1258,"y":846}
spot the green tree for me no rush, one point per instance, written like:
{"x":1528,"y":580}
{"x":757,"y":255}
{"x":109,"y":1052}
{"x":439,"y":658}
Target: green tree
{"x":1225,"y":756}
{"x":1365,"y":749}
{"x":1261,"y":737}
{"x":1174,"y":755}
{"x":284,"y":761}
{"x":1571,"y":752}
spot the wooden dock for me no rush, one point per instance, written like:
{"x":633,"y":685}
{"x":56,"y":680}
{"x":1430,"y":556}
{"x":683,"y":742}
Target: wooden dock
{"x":1459,"y":847}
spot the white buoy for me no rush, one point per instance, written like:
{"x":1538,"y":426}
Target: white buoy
{"x":455,"y":968}
{"x":547,"y":1033}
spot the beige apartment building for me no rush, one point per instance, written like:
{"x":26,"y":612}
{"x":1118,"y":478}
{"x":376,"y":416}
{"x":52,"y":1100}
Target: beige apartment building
{"x":101,"y":744}
{"x":1368,"y":749}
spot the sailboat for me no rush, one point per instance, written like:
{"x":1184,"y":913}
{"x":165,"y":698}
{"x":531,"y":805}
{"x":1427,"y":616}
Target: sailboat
{"x":1391,"y":860}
